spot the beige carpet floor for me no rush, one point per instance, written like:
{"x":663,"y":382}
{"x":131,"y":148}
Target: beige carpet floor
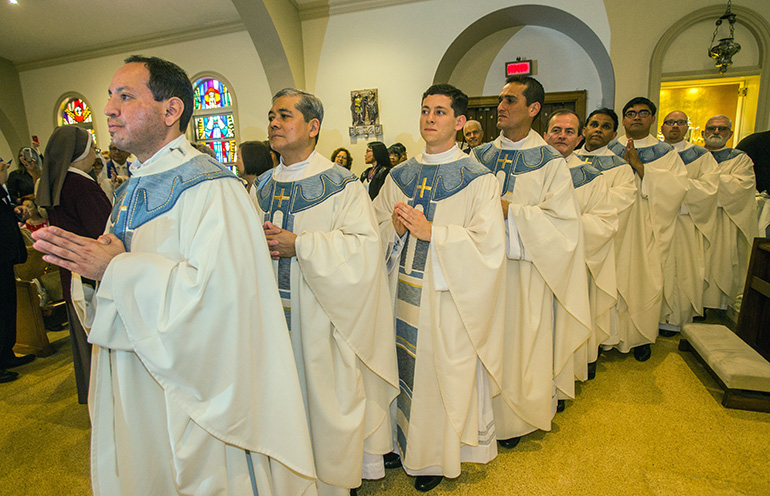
{"x":653,"y":428}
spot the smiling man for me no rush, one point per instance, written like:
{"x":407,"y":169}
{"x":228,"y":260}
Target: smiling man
{"x":728,"y":256}
{"x":599,"y":219}
{"x":193,"y":386}
{"x":325,"y":244}
{"x":547,"y":307}
{"x":661,"y":181}
{"x":441,"y":227}
{"x":685,"y":269}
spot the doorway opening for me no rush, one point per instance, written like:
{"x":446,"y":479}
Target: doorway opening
{"x":735,"y":97}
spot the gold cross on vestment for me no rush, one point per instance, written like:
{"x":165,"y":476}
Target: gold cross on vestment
{"x":123,"y":208}
{"x":422,"y":186}
{"x":505,"y":160}
{"x":281,"y":198}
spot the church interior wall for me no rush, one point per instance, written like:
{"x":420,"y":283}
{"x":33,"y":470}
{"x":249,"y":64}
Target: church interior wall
{"x":13,"y":119}
{"x":6,"y":152}
{"x":232,"y":55}
{"x":396,"y":49}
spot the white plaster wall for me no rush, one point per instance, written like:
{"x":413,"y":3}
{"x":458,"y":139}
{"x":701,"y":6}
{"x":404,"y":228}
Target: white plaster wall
{"x":6,"y":153}
{"x":232,"y":55}
{"x":689,"y":51}
{"x":397,"y":50}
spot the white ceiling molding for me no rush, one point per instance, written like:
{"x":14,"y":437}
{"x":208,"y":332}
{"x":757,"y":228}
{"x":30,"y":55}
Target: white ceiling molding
{"x":326,"y":8}
{"x":133,"y":45}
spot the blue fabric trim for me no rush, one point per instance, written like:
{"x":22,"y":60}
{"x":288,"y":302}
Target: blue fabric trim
{"x":603,"y":162}
{"x":726,"y":154}
{"x":143,"y":198}
{"x":449,"y":178}
{"x":646,"y":155}
{"x":305,"y":193}
{"x":583,"y":174}
{"x":692,"y":154}
{"x":514,"y":162}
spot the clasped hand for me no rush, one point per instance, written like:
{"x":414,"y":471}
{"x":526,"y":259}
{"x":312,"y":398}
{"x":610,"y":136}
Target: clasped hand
{"x":85,"y":256}
{"x":632,"y":157}
{"x":279,"y":241}
{"x":409,"y":218}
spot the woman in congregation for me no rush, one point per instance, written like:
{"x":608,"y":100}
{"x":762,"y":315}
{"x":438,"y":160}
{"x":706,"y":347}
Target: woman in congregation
{"x":342,"y":157}
{"x":21,"y":181}
{"x":374,"y":176}
{"x":74,"y":202}
{"x":253,"y":160}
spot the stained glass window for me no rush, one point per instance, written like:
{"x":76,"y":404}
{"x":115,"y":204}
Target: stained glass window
{"x":214,"y":119}
{"x":74,"y":111}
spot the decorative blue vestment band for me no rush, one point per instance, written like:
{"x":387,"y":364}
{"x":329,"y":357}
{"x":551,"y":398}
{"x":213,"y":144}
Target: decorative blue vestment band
{"x":726,"y":154}
{"x":583,"y":174}
{"x":513,"y":162}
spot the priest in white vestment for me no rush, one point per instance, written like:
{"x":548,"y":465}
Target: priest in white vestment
{"x":600,"y":129}
{"x":324,"y":240}
{"x":684,"y":270}
{"x":599,"y":220}
{"x":442,"y":235}
{"x":661,"y":179}
{"x":547,"y":308}
{"x":736,"y":222}
{"x":193,"y":390}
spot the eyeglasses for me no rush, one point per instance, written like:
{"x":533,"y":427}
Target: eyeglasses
{"x":633,"y":113}
{"x":717,"y":128}
{"x":679,"y":122}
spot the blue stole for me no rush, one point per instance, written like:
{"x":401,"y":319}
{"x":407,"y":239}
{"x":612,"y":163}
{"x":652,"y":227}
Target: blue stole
{"x":583,"y":174}
{"x":692,"y":154}
{"x":142,"y":198}
{"x":425,"y":185}
{"x":280,"y":201}
{"x":513,"y":162}
{"x":603,"y":162}
{"x":726,"y":154}
{"x":646,"y":155}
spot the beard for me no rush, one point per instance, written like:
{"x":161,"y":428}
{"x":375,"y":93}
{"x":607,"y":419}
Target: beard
{"x":715,"y":141}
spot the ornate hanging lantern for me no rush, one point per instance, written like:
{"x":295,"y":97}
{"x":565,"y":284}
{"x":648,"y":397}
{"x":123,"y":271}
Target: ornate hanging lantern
{"x":723,"y":51}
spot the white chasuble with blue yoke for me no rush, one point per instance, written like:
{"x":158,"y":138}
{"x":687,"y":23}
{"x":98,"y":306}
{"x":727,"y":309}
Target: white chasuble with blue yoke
{"x":646,"y":242}
{"x":449,"y":297}
{"x":685,"y":270}
{"x":547,"y":308}
{"x":337,"y":305}
{"x":600,"y":224}
{"x":190,"y":347}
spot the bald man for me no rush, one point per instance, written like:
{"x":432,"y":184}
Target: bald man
{"x":728,"y":257}
{"x":684,"y":269}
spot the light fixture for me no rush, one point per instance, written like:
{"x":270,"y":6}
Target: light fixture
{"x":13,"y":2}
{"x":727,"y":47}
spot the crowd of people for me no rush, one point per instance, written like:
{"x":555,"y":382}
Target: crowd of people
{"x":316,"y":328}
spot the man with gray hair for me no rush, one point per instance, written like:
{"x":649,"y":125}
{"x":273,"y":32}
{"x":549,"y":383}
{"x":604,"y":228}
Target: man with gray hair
{"x":324,"y":241}
{"x":727,"y":258}
{"x":474,"y":135}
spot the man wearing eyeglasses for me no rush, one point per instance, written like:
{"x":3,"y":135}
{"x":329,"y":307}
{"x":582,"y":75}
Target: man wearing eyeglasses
{"x":736,"y":218}
{"x":661,"y":181}
{"x":684,"y":270}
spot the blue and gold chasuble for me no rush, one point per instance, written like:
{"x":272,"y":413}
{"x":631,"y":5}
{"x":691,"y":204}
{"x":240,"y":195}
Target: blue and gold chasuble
{"x":603,"y":162}
{"x":646,"y":154}
{"x":583,"y":174}
{"x":281,"y":201}
{"x":425,"y":185}
{"x":507,"y":164}
{"x":692,"y":154}
{"x":143,"y":198}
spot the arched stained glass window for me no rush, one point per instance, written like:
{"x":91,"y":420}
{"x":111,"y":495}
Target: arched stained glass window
{"x":214,"y":118}
{"x":73,"y":110}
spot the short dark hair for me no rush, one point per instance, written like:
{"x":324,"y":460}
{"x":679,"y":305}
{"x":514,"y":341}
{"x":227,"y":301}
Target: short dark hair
{"x":380,"y":153}
{"x":640,"y":100}
{"x":347,"y":154}
{"x":564,"y":111}
{"x":309,"y":105}
{"x":256,"y":158}
{"x":397,"y":149}
{"x":533,"y":90}
{"x":459,"y":99}
{"x":168,"y":80}
{"x":606,"y":111}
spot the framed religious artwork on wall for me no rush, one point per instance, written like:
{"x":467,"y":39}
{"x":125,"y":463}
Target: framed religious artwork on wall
{"x":365,"y":113}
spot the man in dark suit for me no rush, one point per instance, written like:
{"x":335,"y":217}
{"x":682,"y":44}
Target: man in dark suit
{"x":12,"y":251}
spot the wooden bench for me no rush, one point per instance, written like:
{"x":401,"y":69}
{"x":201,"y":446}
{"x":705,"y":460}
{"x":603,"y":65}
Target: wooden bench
{"x":739,"y":360}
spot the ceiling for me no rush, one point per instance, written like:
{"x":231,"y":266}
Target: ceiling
{"x":36,"y":31}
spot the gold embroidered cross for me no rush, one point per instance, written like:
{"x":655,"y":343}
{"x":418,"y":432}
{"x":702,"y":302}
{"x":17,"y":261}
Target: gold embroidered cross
{"x":123,"y":208}
{"x":422,"y":187}
{"x":505,"y":160}
{"x":281,"y":198}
